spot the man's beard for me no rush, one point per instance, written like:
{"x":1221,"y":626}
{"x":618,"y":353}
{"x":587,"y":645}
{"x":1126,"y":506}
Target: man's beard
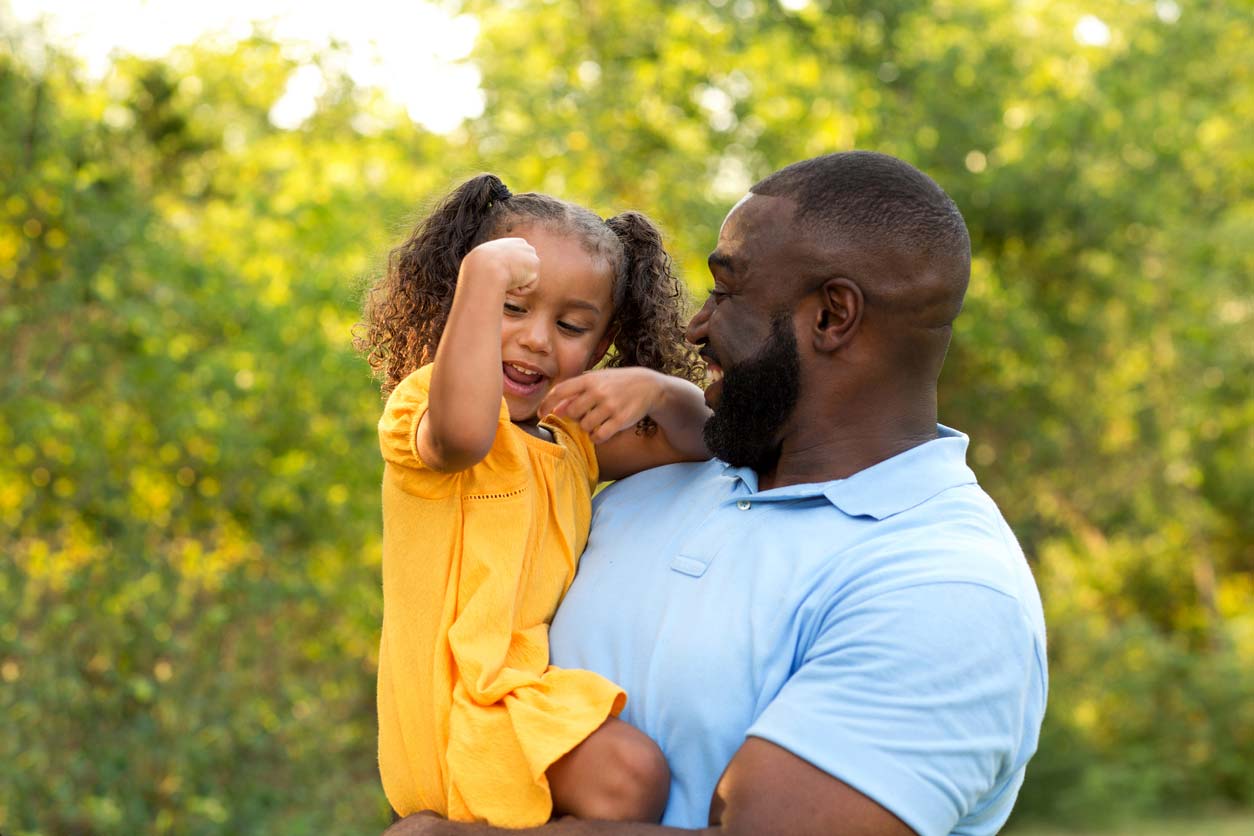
{"x":758,"y":397}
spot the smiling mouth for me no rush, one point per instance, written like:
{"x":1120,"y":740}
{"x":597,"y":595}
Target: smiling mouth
{"x":713,"y":379}
{"x":713,"y":369}
{"x":521,"y":380}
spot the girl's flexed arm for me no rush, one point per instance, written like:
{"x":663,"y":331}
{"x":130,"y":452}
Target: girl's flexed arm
{"x":609,"y":403}
{"x":465,"y":400}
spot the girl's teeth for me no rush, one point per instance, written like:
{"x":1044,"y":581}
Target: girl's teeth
{"x":716,"y":375}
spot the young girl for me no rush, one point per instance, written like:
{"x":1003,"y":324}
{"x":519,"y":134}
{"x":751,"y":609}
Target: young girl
{"x":487,"y":320}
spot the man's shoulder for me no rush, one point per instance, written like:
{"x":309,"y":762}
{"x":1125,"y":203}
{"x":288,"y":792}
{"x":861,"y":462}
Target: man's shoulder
{"x":955,"y":538}
{"x":965,"y":511}
{"x":958,"y":530}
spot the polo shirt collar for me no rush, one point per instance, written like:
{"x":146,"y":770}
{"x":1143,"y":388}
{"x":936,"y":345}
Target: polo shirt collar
{"x":894,"y":485}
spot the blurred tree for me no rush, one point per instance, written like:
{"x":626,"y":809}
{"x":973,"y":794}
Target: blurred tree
{"x":188,"y":474}
{"x":188,"y":482}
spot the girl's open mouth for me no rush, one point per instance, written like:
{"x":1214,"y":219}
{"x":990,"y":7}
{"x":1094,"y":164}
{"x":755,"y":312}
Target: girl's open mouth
{"x":522,"y":381}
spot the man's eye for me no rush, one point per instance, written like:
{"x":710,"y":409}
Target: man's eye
{"x":717,"y":295}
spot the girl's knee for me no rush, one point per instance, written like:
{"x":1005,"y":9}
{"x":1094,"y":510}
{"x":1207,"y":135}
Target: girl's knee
{"x":617,"y":774}
{"x":648,"y":779}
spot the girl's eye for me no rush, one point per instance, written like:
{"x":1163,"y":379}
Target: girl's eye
{"x":510,"y":307}
{"x":570,"y":328}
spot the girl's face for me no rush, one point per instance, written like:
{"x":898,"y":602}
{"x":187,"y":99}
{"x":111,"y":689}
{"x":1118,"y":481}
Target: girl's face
{"x":559,"y":330}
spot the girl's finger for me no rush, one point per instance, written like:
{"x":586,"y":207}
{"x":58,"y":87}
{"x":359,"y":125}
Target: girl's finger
{"x":594,"y":418}
{"x":615,"y":422}
{"x":549,"y":403}
{"x":580,"y":404}
{"x":563,"y":391}
{"x":556,"y":410}
{"x":604,"y":432}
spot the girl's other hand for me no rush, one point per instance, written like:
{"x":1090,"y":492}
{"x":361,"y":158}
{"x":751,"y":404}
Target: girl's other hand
{"x":511,"y":260}
{"x":606,"y":402}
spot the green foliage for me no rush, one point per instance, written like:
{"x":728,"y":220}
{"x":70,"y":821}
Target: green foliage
{"x":189,"y":596}
{"x":1217,"y":824}
{"x":188,"y":497}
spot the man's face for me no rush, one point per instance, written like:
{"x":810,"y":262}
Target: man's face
{"x":746,"y":332}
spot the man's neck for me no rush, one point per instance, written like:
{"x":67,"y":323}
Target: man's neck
{"x":825,"y":448}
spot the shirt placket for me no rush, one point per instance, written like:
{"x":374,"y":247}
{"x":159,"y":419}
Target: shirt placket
{"x":725,"y":524}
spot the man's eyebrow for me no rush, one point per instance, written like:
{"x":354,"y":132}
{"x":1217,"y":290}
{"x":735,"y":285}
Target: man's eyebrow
{"x":717,"y":259}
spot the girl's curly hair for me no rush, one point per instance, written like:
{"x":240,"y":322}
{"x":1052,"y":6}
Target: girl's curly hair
{"x":406,"y":310}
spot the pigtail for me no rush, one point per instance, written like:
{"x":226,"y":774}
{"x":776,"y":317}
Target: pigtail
{"x":650,"y":305}
{"x":405,"y":312}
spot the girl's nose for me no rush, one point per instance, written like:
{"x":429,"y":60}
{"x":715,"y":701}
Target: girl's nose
{"x":536,"y":338}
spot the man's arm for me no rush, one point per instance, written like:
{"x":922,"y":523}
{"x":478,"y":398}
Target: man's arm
{"x":917,"y":695}
{"x":765,"y":790}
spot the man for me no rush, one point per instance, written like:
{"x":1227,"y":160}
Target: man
{"x":829,"y":629}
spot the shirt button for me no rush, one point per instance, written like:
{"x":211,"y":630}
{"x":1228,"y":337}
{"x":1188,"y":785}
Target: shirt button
{"x":744,"y":504}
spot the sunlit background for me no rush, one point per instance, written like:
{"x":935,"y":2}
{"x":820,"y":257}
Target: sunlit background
{"x":193,"y":197}
{"x":412,"y":51}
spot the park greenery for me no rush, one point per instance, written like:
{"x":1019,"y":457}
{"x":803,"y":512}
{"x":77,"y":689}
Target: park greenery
{"x":189,"y":477}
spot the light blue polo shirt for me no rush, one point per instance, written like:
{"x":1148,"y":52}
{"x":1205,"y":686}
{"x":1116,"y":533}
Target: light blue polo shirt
{"x":884,"y":627}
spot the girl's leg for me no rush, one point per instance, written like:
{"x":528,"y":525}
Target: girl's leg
{"x":617,"y":774}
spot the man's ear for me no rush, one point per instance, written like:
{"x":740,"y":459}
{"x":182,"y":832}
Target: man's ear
{"x":838,"y":315}
{"x":603,"y":345}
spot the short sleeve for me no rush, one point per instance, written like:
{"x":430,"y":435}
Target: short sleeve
{"x":504,"y":465}
{"x":915,"y":697}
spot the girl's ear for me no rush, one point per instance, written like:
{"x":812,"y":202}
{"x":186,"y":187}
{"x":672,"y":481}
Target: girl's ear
{"x":603,"y":345}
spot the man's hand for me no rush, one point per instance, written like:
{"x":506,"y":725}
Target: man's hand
{"x":765,"y":790}
{"x":419,"y":824}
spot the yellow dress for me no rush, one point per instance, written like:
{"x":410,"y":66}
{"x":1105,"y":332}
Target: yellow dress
{"x":471,"y":714}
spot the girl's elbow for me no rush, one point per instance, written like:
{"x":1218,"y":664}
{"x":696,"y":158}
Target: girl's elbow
{"x":458,"y":449}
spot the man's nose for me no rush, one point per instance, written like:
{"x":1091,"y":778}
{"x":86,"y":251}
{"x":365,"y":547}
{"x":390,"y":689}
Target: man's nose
{"x":698,"y":325}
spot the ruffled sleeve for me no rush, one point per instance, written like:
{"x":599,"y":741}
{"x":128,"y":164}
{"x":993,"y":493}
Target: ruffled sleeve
{"x":398,"y":442}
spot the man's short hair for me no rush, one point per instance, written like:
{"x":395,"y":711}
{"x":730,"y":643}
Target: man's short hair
{"x":878,"y":202}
